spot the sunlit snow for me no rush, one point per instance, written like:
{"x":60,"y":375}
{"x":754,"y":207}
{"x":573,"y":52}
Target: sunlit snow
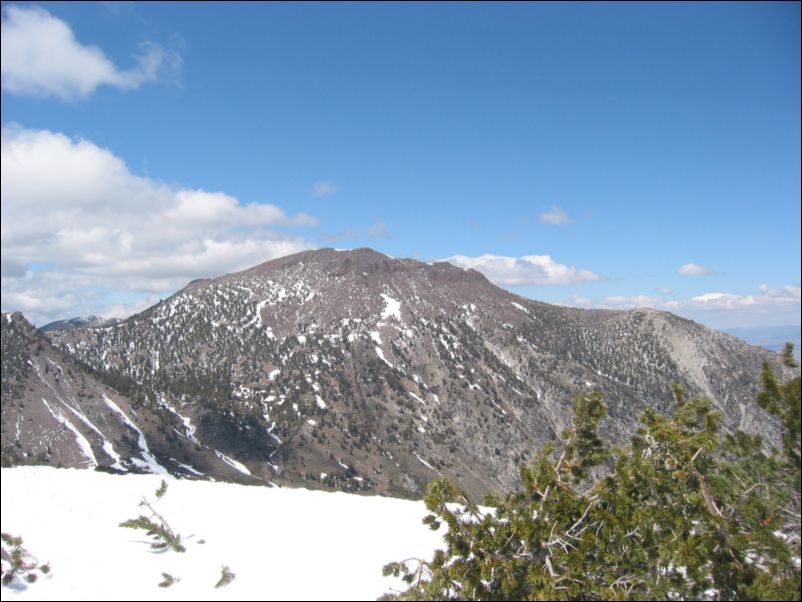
{"x":519,"y":306}
{"x":150,"y":462}
{"x":282,"y":544}
{"x":391,"y":308}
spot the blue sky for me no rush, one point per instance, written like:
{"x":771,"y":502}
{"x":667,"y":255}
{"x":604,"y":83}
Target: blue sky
{"x":595,"y":155}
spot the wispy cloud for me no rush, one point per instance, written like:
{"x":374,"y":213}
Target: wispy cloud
{"x":76,"y":209}
{"x":323,"y":188}
{"x":782,"y":301}
{"x":664,"y":290}
{"x":526,"y":270}
{"x":41,"y":57}
{"x":694,"y":269}
{"x":628,"y":302}
{"x":555,"y":216}
{"x":378,"y":229}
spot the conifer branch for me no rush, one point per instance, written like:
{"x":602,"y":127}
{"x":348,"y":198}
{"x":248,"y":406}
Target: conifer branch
{"x":160,"y":530}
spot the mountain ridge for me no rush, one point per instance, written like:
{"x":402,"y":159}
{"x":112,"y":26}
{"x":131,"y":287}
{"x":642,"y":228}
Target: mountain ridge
{"x":354,"y":370}
{"x":56,"y":412}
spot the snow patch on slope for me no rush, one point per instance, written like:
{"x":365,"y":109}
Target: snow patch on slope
{"x":424,"y":462}
{"x":233,"y":463}
{"x":82,"y":441}
{"x":150,"y":461}
{"x":259,"y":307}
{"x":392,"y":308}
{"x":519,"y":306}
{"x":380,"y":353}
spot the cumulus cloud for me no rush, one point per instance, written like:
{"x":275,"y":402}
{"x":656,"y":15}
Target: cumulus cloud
{"x":555,"y":216}
{"x":694,"y":269}
{"x":526,"y":270}
{"x":323,"y":188}
{"x":93,"y":228}
{"x":124,"y":310}
{"x":768,"y":297}
{"x":41,"y":57}
{"x":767,"y":305}
{"x":12,"y":268}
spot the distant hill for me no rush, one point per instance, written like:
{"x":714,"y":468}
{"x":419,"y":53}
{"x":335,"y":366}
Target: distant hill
{"x":770,"y":337}
{"x":71,"y":323}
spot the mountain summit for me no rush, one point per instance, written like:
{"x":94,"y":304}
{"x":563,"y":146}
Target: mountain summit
{"x":354,"y":370}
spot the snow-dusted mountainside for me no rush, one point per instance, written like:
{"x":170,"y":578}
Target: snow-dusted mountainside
{"x":353,"y":370}
{"x":55,"y":412}
{"x":282,"y":544}
{"x":78,"y":322}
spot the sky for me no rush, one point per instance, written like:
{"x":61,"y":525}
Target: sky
{"x":592,"y":155}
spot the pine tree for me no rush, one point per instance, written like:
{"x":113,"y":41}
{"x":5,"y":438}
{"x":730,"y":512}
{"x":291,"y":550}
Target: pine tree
{"x":17,"y":562}
{"x":682,"y":512}
{"x":226,"y":577}
{"x":155,"y":525}
{"x":168,"y":580}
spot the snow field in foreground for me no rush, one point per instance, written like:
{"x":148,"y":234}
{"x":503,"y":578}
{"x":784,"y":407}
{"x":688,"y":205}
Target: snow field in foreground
{"x":282,"y":544}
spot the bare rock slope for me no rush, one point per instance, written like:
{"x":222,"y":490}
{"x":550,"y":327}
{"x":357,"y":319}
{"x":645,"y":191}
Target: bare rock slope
{"x":56,"y":412}
{"x":353,"y":370}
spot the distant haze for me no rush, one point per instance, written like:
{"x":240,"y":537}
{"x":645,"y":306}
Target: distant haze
{"x":770,"y":337}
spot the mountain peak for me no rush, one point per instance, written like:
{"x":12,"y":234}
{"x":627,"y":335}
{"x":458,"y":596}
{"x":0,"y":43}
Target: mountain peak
{"x":356,"y":370}
{"x":77,"y":322}
{"x":358,"y":263}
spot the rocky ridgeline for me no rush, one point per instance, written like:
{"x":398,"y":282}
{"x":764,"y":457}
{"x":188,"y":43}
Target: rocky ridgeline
{"x":353,"y":370}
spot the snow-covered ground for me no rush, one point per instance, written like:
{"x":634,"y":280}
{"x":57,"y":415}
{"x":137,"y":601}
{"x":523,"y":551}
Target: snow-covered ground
{"x":282,"y":544}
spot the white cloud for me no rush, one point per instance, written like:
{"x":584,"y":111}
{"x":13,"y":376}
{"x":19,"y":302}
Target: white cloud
{"x":38,"y":302}
{"x":526,"y":270}
{"x":94,"y":229}
{"x":124,"y":310}
{"x":555,"y":216}
{"x":201,"y":208}
{"x":324,"y":188}
{"x":41,"y":57}
{"x":768,"y":297}
{"x":623,"y":302}
{"x":11,"y":267}
{"x":664,"y":290}
{"x":768,"y":306}
{"x":694,"y":269}
{"x":714,"y":301}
